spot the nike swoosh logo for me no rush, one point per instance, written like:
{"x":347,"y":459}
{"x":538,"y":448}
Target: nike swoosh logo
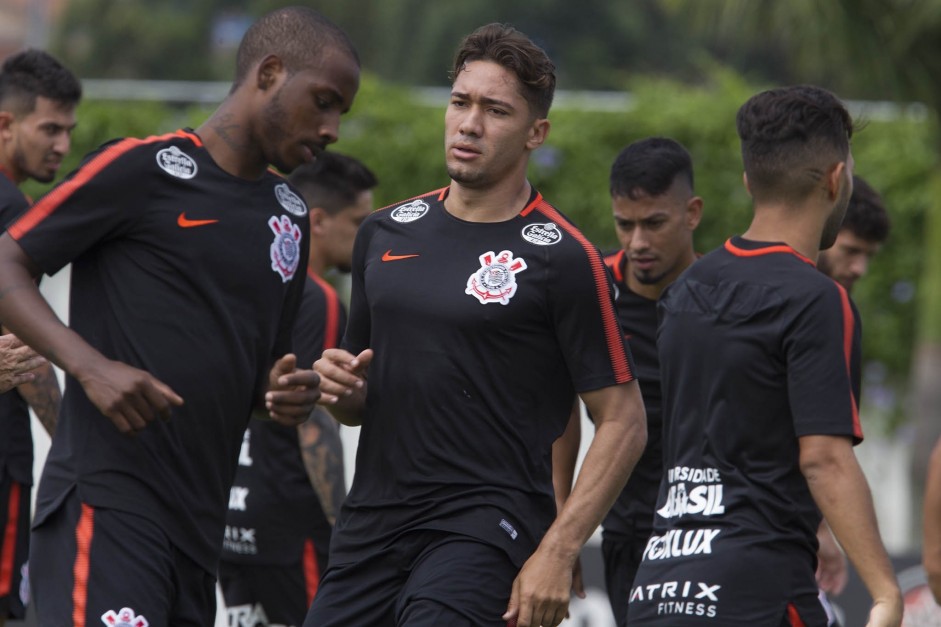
{"x":388,"y":256}
{"x":186,"y":223}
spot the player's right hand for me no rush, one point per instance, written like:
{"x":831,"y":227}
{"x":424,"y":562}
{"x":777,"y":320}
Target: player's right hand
{"x":886,"y":613}
{"x":341,"y":373}
{"x":131,"y":398}
{"x":17,"y":362}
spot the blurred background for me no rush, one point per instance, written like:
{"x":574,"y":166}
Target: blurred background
{"x":626,"y":70}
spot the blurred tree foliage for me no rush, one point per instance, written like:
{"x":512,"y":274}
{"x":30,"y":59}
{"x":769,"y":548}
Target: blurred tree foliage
{"x":399,"y":134}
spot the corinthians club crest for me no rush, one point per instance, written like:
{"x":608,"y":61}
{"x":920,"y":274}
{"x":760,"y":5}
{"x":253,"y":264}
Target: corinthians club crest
{"x":124,"y":618}
{"x":495,"y":281}
{"x":286,"y":247}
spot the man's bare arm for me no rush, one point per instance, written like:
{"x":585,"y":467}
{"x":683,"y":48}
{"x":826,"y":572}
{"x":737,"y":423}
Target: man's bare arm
{"x":842,"y":493}
{"x":931,"y":522}
{"x":44,"y":397}
{"x":322,"y":452}
{"x":18,"y":362}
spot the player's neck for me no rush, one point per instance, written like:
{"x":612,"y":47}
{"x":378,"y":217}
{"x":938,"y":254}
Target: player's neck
{"x":315,"y":262}
{"x":798,"y":227}
{"x":498,"y":203}
{"x":7,"y":170}
{"x":227,"y":138}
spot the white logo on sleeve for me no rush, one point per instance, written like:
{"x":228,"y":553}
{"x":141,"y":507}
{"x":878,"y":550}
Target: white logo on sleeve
{"x":124,"y":618}
{"x":286,"y":247}
{"x":289,"y":200}
{"x":542,"y":234}
{"x":495,"y":281}
{"x":410,"y":212}
{"x":176,"y":163}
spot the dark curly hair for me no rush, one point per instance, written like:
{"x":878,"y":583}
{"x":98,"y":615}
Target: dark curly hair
{"x":298,"y":35}
{"x":33,"y":73}
{"x":790,"y":137}
{"x":866,"y":216}
{"x":332,"y":181}
{"x":508,"y":47}
{"x":648,"y":167}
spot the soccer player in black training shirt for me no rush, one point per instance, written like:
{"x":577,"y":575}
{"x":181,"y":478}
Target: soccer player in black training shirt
{"x":655,"y":214}
{"x":187,"y":274}
{"x":477,"y":312}
{"x":758,"y":406}
{"x":38,"y":96}
{"x":289,"y":483}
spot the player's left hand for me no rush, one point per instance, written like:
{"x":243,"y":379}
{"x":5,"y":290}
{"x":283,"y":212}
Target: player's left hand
{"x":541,"y":591}
{"x":292,"y":393}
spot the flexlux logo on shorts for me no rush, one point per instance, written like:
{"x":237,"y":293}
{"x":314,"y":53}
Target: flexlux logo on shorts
{"x":286,"y":247}
{"x":495,"y":281}
{"x":410,"y":212}
{"x":176,"y":163}
{"x":289,"y":200}
{"x":124,"y":618}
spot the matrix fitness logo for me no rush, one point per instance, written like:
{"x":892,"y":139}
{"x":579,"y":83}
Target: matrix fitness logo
{"x":495,"y":281}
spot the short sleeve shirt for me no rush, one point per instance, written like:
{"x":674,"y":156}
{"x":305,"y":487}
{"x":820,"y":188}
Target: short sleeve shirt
{"x":482,"y":334}
{"x":189,"y":273}
{"x":756,"y":350}
{"x":16,"y":439}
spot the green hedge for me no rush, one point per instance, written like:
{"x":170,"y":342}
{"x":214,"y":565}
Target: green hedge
{"x":400,"y":136}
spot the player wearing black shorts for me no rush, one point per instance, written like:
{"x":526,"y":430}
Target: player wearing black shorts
{"x":760,"y":417}
{"x":289,"y":483}
{"x":38,"y":97}
{"x":655,"y":214}
{"x":477,"y":312}
{"x":186,"y":278}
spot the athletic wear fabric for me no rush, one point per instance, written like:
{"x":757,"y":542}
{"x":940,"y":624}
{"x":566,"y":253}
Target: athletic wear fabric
{"x":755,"y":350}
{"x":14,"y":548}
{"x":189,"y":273}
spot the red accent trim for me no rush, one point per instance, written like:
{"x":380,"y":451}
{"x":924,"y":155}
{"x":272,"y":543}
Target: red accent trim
{"x":8,"y":564}
{"x":612,"y":330}
{"x":614,"y":261}
{"x":51,"y":201}
{"x":441,"y":194}
{"x":849,"y":322}
{"x":331,"y":332}
{"x":531,"y":206}
{"x":793,"y":617}
{"x":311,"y":571}
{"x":768,"y":250}
{"x":84,"y":531}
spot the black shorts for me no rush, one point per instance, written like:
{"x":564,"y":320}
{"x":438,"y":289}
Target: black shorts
{"x":14,"y":548}
{"x":622,"y":556}
{"x":427,"y":578}
{"x":261,"y":594}
{"x":94,"y":566}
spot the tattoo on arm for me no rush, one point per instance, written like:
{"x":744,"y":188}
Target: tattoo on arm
{"x":322,"y":452}
{"x":43,"y":396}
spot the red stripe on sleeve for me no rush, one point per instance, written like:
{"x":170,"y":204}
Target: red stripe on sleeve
{"x":331,"y":331}
{"x":49,"y":203}
{"x":612,"y":330}
{"x":614,"y":262}
{"x":793,"y":617}
{"x":311,"y":571}
{"x":83,"y":535}
{"x":849,"y":322}
{"x":8,"y":565}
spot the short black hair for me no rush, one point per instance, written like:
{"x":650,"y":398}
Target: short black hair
{"x":790,"y":137}
{"x":33,"y":73}
{"x":511,"y":49}
{"x":866,"y":216}
{"x":648,"y":167}
{"x":333,"y":181}
{"x":297,"y":35}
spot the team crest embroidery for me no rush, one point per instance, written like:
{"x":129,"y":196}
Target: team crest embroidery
{"x":495,"y":281}
{"x":542,"y":234}
{"x":410,"y":212}
{"x":124,"y":618}
{"x":289,"y":200}
{"x":286,"y":247}
{"x":176,"y":163}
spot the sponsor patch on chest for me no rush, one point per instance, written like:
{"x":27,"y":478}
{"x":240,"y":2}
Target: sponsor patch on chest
{"x":542,"y":234}
{"x":410,"y":212}
{"x":286,"y":247}
{"x":177,"y":163}
{"x":495,"y":281}
{"x":291,"y":202}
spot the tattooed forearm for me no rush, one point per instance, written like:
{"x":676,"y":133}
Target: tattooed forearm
{"x":44,"y":397}
{"x":322,"y":452}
